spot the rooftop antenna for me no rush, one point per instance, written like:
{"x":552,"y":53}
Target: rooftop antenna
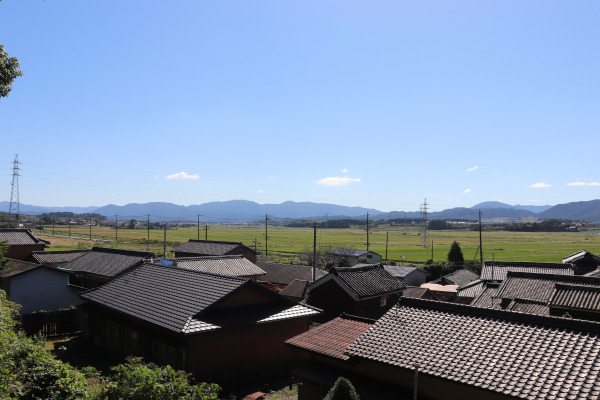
{"x":14,"y":193}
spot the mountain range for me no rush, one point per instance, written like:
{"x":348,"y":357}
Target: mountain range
{"x":249,"y":211}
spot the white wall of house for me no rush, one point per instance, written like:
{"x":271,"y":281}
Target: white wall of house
{"x":43,"y":289}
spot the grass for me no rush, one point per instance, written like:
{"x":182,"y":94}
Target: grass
{"x":403,"y":245}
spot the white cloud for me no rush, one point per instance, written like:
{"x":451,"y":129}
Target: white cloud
{"x":473,"y":168}
{"x":580,"y":183}
{"x":261,"y":191}
{"x":337,"y":181}
{"x":345,"y":170}
{"x":184,"y":175}
{"x":467,"y":191}
{"x":540,"y":185}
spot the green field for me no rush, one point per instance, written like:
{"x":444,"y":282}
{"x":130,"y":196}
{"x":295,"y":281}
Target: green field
{"x":402,"y":245}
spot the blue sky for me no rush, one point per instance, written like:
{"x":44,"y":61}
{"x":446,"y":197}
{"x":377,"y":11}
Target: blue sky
{"x":379,"y":104}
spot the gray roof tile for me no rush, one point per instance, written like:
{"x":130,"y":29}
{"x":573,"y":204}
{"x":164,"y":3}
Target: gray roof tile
{"x":496,"y":270}
{"x":17,"y":267}
{"x":106,"y":262}
{"x":235,"y":265}
{"x":368,"y":281}
{"x":19,"y":236}
{"x":174,"y":298}
{"x":284,"y":274}
{"x":61,"y":256}
{"x":209,"y":247}
{"x":576,"y":296}
{"x":461,"y":277}
{"x":526,"y":356}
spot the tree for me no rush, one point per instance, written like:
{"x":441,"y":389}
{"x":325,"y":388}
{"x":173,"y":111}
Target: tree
{"x":342,"y":390}
{"x":455,"y":255}
{"x":9,"y":70}
{"x":3,"y":260}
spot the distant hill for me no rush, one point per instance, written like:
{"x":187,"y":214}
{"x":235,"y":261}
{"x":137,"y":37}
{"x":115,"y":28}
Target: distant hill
{"x":249,"y":211}
{"x":497,"y":204}
{"x":37,"y":210}
{"x":580,"y":210}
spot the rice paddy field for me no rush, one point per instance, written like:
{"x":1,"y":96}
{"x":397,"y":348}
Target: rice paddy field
{"x":403,"y":245}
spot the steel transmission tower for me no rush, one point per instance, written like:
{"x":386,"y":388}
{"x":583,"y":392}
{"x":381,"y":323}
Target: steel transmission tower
{"x":424,"y":212}
{"x":14,"y":193}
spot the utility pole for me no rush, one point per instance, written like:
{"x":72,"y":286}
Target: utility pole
{"x":205,"y":232}
{"x":387,"y":236}
{"x":53,"y":222}
{"x":480,"y":241}
{"x":90,"y":227}
{"x":165,"y":242}
{"x":424,"y":212}
{"x":116,"y":229}
{"x":314,"y":269}
{"x":432,"y":250}
{"x":69,"y":223}
{"x":13,"y":208}
{"x":367,"y":231}
{"x":198,"y":226}
{"x":266,"y":235}
{"x":148,"y":228}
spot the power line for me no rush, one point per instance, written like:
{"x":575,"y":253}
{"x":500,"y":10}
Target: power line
{"x":14,"y":206}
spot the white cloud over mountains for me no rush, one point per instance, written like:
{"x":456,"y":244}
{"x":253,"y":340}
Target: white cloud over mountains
{"x":540,"y":185}
{"x":473,"y":168}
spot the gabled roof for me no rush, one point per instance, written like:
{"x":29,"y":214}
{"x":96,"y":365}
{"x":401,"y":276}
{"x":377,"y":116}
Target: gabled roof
{"x":581,"y":254}
{"x":62,"y":256}
{"x":17,"y":267}
{"x":496,"y":270}
{"x":576,"y":296}
{"x":397,"y":271}
{"x":351,"y":252}
{"x":529,"y":306}
{"x":525,"y":356}
{"x":333,"y":337}
{"x":461,"y":277}
{"x":284,"y":274}
{"x":235,"y":265}
{"x":19,"y":237}
{"x":487,"y":298}
{"x":181,"y":300}
{"x":106,"y":262}
{"x":296,"y":289}
{"x":595,"y":273}
{"x":363,"y":282}
{"x":210,"y":247}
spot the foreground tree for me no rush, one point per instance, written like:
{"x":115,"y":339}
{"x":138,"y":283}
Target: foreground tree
{"x":455,"y":255}
{"x":342,"y":390}
{"x":9,"y":70}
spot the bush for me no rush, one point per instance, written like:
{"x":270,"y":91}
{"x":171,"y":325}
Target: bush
{"x":342,"y":390}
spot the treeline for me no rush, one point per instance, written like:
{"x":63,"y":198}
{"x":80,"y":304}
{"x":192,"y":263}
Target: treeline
{"x":28,"y":371}
{"x":64,"y":217}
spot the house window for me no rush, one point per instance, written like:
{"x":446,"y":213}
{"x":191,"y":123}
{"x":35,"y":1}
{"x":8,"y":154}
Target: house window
{"x":383,"y":301}
{"x":369,"y":256}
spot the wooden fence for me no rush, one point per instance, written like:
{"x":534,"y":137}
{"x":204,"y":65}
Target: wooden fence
{"x":53,"y":323}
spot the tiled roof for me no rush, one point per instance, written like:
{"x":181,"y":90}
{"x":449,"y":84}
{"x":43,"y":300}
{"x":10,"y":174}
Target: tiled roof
{"x":397,"y":271}
{"x":296,"y":289}
{"x":350,"y":252}
{"x":61,"y":256}
{"x":472,"y":289}
{"x":460,"y":277}
{"x":368,"y":281}
{"x":416,"y":292}
{"x":529,"y":306}
{"x":496,"y":270}
{"x":487,"y":298}
{"x":580,"y":255}
{"x":209,"y":247}
{"x":106,"y":262}
{"x":235,"y":265}
{"x":595,"y":273}
{"x":16,"y":267}
{"x":17,"y":237}
{"x":525,"y":356}
{"x":538,"y":287}
{"x":284,"y":274}
{"x":576,"y":296}
{"x":175,"y":298}
{"x":332,"y":338}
